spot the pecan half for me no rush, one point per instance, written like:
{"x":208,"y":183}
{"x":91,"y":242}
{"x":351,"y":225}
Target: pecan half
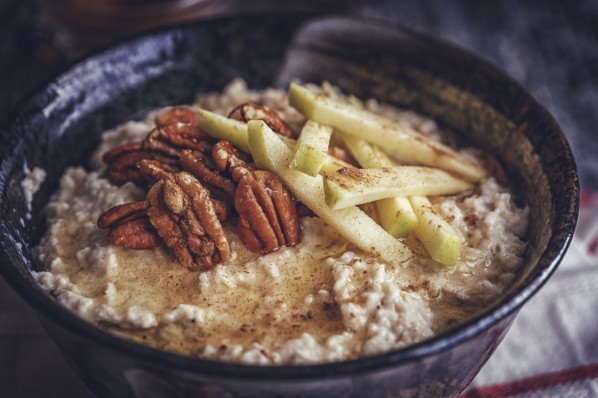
{"x":154,"y":170}
{"x":172,"y":138}
{"x":121,"y":162}
{"x":182,"y":212}
{"x":267,"y":213}
{"x":252,"y":111}
{"x":202,"y":168}
{"x":178,"y":114}
{"x":136,"y":234}
{"x":230,"y":161}
{"x":121,"y":213}
{"x":129,"y":226}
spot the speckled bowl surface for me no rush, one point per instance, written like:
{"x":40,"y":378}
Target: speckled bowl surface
{"x":60,"y":124}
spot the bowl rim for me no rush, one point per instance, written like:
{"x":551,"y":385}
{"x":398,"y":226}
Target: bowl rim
{"x":48,"y":308}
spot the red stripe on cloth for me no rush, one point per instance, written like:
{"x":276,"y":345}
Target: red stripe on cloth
{"x":535,"y":383}
{"x":587,"y":198}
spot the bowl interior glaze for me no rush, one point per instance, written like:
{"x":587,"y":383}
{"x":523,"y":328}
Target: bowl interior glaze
{"x":60,"y":125}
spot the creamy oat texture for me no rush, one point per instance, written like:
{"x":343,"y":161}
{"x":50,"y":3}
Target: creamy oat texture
{"x":321,"y":301}
{"x":30,"y":184}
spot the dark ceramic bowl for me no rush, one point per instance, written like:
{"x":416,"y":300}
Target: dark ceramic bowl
{"x":59,"y":126}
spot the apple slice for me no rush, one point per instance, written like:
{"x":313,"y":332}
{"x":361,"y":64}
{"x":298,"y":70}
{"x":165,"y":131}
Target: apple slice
{"x":333,"y":164}
{"x":312,"y":148}
{"x":350,"y":187}
{"x":396,"y":214}
{"x":224,"y":128}
{"x":270,"y":152}
{"x":441,"y":241}
{"x":368,"y":155}
{"x":392,"y":137}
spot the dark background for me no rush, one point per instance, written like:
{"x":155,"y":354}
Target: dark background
{"x":551,"y":47}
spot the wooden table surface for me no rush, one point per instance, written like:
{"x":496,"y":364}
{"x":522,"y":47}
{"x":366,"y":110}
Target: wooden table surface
{"x":551,"y":47}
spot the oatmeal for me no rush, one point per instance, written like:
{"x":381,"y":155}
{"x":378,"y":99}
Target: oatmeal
{"x":31,"y":184}
{"x":319,"y":299}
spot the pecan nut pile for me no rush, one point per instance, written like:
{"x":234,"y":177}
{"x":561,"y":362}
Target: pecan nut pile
{"x":176,"y":129}
{"x":187,"y":172}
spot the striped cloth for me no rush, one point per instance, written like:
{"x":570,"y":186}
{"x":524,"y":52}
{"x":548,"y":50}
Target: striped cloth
{"x":552,"y":347}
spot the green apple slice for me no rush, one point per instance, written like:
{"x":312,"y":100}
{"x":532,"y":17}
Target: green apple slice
{"x":396,"y":214}
{"x":312,"y":148}
{"x":270,"y":152}
{"x":367,"y":155}
{"x":224,"y":128}
{"x":392,"y":137}
{"x":350,"y":187}
{"x":332,"y":164}
{"x":441,"y":241}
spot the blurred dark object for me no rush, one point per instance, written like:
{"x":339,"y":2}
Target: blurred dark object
{"x":89,"y":23}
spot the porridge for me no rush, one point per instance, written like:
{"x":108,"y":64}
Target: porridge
{"x":316,"y":296}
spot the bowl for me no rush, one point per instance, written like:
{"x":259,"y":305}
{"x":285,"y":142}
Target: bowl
{"x":59,"y":126}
